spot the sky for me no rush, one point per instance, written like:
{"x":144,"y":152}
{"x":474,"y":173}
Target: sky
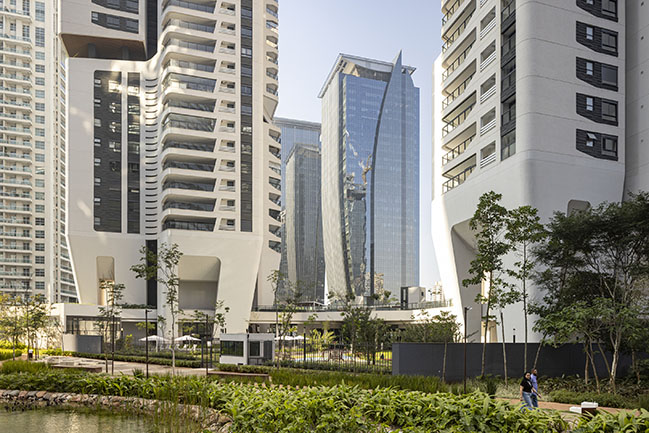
{"x":313,"y":33}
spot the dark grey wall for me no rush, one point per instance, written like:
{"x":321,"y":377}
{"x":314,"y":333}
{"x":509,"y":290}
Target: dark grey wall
{"x":82,"y":343}
{"x":426,"y":359}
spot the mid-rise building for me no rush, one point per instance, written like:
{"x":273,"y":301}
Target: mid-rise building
{"x":370,"y":176}
{"x":172,"y":141}
{"x":34,"y":257}
{"x":529,"y":101}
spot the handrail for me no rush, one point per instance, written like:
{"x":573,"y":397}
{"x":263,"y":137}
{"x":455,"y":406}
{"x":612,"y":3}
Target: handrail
{"x":456,"y":34}
{"x":456,"y":63}
{"x":457,"y":180}
{"x":457,"y":120}
{"x":451,"y":11}
{"x":457,"y":150}
{"x":459,"y":90}
{"x":486,"y":62}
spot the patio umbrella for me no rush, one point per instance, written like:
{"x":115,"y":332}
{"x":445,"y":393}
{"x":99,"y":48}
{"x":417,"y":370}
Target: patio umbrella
{"x":187,"y":338}
{"x":156,"y":338}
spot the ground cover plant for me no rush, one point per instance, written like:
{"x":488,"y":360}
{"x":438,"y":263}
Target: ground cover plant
{"x":338,"y":408}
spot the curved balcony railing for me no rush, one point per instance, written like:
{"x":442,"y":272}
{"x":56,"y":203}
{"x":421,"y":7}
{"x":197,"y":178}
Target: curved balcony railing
{"x":203,"y":7}
{"x":456,"y":63}
{"x":189,"y":65}
{"x":459,"y":90}
{"x":457,"y":150}
{"x":188,"y":225}
{"x":456,"y":34}
{"x":457,"y":180}
{"x":457,"y":120}
{"x":195,"y":186}
{"x":190,"y":45}
{"x":204,"y":147}
{"x":189,"y":25}
{"x":203,"y":207}
{"x":188,"y":166}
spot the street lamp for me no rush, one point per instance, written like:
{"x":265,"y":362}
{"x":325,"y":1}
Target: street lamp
{"x":466,"y":309}
{"x":146,"y":339}
{"x":514,"y":335}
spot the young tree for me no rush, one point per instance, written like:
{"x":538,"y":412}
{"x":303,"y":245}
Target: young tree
{"x":34,"y":319}
{"x":524,"y":231}
{"x":489,"y":224}
{"x":114,"y":293}
{"x":163,"y":266}
{"x":286,"y":304}
{"x":10,"y":320}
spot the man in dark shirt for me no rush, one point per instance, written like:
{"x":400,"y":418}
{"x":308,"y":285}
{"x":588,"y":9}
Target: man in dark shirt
{"x":535,"y":385}
{"x":526,"y":391}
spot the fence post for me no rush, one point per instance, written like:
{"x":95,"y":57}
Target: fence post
{"x":304,"y":351}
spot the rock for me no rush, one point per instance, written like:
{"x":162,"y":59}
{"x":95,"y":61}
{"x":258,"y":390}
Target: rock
{"x":14,"y":393}
{"x":40,"y":394}
{"x":22,"y":394}
{"x":31,"y":394}
{"x":48,"y":396}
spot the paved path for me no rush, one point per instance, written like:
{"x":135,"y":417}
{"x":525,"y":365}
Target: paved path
{"x":561,"y":407}
{"x":122,"y":367}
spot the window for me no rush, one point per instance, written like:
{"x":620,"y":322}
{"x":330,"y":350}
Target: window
{"x":97,"y":162}
{"x":609,"y":146}
{"x":40,"y":119}
{"x":609,"y":75}
{"x":25,"y":32}
{"x":231,"y":348}
{"x":40,"y":247}
{"x":40,"y":94}
{"x":40,"y":285}
{"x":508,"y":145}
{"x":246,"y":52}
{"x":589,"y":68}
{"x":609,"y":111}
{"x":40,"y":11}
{"x":98,"y":123}
{"x":255,"y":349}
{"x":591,"y":139}
{"x":40,"y":208}
{"x":40,"y":37}
{"x":39,"y":260}
{"x":40,"y":132}
{"x":39,"y":195}
{"x":609,"y":7}
{"x":40,"y":157}
{"x":609,"y":40}
{"x":40,"y":69}
{"x":589,"y":33}
{"x":39,"y":183}
{"x":589,"y":2}
{"x":97,"y":181}
{"x":589,"y":103}
{"x":40,"y":81}
{"x":40,"y":272}
{"x":39,"y":221}
{"x":40,"y":106}
{"x":40,"y":55}
{"x":40,"y":234}
{"x":115,"y":166}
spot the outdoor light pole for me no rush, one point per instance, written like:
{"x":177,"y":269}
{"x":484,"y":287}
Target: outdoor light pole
{"x":466,"y":309}
{"x":514,"y":335}
{"x":207,"y":318}
{"x":146,"y":339}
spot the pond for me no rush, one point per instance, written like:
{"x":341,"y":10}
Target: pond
{"x":59,"y":421}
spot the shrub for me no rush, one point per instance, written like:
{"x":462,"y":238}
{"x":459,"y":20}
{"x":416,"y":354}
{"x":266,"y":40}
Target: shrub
{"x":141,"y":359}
{"x":4,"y":344}
{"x":23,"y":367}
{"x":8,"y":354}
{"x":604,"y":399}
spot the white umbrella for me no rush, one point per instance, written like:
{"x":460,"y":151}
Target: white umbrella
{"x":187,"y":338}
{"x":153,"y":338}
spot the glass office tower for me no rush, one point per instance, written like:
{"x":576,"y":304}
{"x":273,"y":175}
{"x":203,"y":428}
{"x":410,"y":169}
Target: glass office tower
{"x":370,"y":176}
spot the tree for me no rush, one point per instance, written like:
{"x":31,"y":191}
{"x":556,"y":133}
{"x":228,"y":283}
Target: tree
{"x":524,"y":231}
{"x":285,"y":306}
{"x":10,"y":320}
{"x":163,"y":267}
{"x":114,"y":293}
{"x":34,"y":318}
{"x":600,"y":257}
{"x":360,"y":329}
{"x":489,"y":225}
{"x":441,"y":328}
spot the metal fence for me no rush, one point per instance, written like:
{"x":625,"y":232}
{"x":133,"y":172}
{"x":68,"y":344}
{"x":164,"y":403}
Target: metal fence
{"x":360,"y":357}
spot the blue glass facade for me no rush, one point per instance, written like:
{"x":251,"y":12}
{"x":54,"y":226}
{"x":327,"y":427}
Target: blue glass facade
{"x":371,"y":176}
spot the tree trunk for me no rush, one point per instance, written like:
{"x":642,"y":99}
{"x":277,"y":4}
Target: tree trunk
{"x":502,"y":327}
{"x":601,"y":352}
{"x":486,"y":329}
{"x":525,"y":323}
{"x":592,"y":361}
{"x":636,"y":367}
{"x":538,"y":352}
{"x":614,"y":364}
{"x":586,"y":377}
{"x":444,"y":362}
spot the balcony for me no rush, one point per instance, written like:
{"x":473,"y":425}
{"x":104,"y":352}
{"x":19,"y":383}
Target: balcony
{"x":190,"y":65}
{"x":457,"y":150}
{"x":459,"y":174}
{"x":488,"y":155}
{"x":488,"y":89}
{"x":487,"y":24}
{"x":180,"y":43}
{"x":202,"y":7}
{"x":203,"y":147}
{"x":203,"y":226}
{"x":189,"y":25}
{"x":458,"y":115}
{"x":450,"y":11}
{"x":457,"y":92}
{"x":196,"y":206}
{"x":184,"y":165}
{"x":193,"y":186}
{"x":456,"y":34}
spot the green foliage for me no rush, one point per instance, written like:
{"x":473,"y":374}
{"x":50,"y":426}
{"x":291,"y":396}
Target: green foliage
{"x":23,"y":367}
{"x":604,"y":399}
{"x":441,"y":328}
{"x":4,"y":344}
{"x":626,"y":422}
{"x":142,"y":359}
{"x":8,"y":354}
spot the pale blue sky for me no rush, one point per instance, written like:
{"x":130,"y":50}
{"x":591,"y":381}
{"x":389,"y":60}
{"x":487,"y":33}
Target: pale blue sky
{"x":313,"y":32}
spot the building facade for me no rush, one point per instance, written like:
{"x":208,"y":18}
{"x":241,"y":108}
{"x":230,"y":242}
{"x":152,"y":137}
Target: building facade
{"x":34,"y":256}
{"x":172,"y":139}
{"x":370,"y":176}
{"x":303,"y":223}
{"x":302,"y":197}
{"x":529,"y":101}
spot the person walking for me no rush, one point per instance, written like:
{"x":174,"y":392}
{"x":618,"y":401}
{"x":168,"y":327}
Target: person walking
{"x":535,"y":385}
{"x":527,"y":390}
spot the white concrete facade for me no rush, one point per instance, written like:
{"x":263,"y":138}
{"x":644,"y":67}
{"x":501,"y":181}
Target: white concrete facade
{"x":201,"y":111}
{"x":524,"y":55}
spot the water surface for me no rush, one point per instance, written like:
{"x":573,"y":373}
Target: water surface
{"x":58,"y":421}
